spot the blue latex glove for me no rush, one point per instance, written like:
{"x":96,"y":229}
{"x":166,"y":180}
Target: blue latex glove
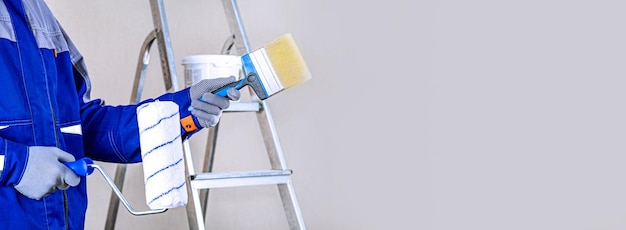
{"x":44,"y":173}
{"x":206,"y":106}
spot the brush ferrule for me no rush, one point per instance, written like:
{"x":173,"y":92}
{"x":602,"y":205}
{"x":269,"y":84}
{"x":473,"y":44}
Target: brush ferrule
{"x":251,"y":77}
{"x":265,"y":71}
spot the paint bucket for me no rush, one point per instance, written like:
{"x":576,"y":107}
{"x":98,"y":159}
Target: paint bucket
{"x":199,"y":67}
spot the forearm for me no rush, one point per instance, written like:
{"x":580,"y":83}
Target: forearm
{"x":111,"y":133}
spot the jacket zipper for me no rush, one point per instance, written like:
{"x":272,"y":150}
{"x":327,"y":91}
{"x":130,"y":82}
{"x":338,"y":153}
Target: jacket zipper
{"x":65,"y":200}
{"x":66,"y":209}
{"x":56,"y":140}
{"x":56,"y":134}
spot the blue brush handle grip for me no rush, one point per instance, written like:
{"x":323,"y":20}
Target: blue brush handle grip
{"x":223,"y":92}
{"x":81,"y":166}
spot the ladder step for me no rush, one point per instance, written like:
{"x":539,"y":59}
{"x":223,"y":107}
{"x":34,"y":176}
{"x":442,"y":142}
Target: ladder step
{"x":233,"y":179}
{"x":237,"y":106}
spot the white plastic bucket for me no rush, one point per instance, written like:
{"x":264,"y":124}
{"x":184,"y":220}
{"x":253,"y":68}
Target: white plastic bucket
{"x":199,"y":67}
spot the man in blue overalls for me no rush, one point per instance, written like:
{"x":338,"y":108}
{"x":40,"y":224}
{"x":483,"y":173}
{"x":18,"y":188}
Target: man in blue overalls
{"x":47,"y":117}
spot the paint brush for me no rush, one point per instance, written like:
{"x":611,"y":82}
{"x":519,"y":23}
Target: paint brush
{"x":271,"y":69}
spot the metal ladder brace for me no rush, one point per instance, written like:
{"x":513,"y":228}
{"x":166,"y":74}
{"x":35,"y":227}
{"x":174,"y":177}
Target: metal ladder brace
{"x":198,"y":184}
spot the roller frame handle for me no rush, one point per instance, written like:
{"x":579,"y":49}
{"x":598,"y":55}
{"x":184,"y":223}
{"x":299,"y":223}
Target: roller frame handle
{"x":81,"y":167}
{"x":85,"y":167}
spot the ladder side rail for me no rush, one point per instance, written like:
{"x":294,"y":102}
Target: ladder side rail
{"x":270,"y":134}
{"x":272,"y":143}
{"x":197,"y":208}
{"x":242,"y":46}
{"x":287,"y":192}
{"x":160,"y":33}
{"x":193,"y":208}
{"x":165,"y":45}
{"x":120,"y":172}
{"x":211,"y":145}
{"x":209,"y":158}
{"x":291,"y":206}
{"x":235,"y":24}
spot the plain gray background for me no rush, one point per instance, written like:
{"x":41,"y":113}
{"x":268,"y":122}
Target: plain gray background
{"x":438,"y":115}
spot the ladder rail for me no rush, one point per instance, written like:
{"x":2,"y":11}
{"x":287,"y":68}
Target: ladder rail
{"x":212,"y":136}
{"x":242,"y":46}
{"x":168,"y":69}
{"x":268,"y":129}
{"x":235,"y":23}
{"x":120,"y":171}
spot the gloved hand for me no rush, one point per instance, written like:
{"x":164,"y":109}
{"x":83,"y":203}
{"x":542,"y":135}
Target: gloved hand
{"x":44,"y":173}
{"x":209,"y":109}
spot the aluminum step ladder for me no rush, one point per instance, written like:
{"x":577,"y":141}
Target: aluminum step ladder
{"x":199,"y":183}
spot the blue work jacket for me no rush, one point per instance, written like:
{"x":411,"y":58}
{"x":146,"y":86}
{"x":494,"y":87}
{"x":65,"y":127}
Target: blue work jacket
{"x":45,"y":101}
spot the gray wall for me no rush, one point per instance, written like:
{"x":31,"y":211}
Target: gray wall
{"x":420,"y":115}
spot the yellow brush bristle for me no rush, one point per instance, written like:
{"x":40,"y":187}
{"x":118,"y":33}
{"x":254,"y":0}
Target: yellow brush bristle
{"x":287,"y":61}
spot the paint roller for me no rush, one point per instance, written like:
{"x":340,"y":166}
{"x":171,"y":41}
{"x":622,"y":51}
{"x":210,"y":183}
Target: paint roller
{"x":162,"y":159}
